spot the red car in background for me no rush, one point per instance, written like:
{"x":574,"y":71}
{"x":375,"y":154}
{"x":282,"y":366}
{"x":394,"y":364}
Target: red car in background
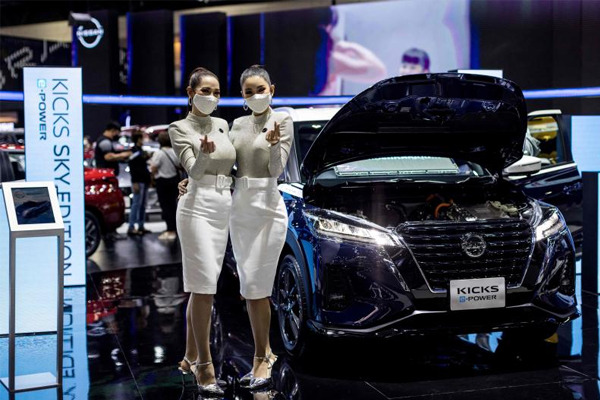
{"x":104,"y":205}
{"x":150,"y":146}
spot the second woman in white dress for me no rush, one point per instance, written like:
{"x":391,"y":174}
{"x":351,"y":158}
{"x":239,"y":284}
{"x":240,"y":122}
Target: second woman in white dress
{"x":259,"y":219}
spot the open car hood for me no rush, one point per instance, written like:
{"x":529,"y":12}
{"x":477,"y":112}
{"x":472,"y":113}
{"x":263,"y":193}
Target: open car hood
{"x":469,"y":117}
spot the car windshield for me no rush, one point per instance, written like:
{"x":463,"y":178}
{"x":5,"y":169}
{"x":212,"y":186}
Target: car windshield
{"x":14,"y":162}
{"x":307,"y":133}
{"x":13,"y":137}
{"x":408,"y":166}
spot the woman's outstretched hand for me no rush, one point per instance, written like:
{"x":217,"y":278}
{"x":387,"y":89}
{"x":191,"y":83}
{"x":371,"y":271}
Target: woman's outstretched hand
{"x":206,"y":145}
{"x":274,"y":135}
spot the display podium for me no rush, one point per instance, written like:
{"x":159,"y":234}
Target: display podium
{"x":32,"y":211}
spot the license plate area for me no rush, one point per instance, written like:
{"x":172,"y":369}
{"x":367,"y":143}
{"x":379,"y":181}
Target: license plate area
{"x":474,"y":294}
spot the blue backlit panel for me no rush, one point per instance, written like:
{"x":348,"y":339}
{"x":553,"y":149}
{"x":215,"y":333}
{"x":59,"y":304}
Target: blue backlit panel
{"x":585,"y":141}
{"x":38,"y":353}
{"x":281,"y":101}
{"x":54,"y":152}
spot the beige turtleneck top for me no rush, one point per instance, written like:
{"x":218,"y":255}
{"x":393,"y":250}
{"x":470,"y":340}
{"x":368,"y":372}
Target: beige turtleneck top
{"x":185,"y":137}
{"x":257,"y":158}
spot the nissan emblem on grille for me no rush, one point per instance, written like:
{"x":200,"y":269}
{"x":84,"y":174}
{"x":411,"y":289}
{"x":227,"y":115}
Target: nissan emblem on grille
{"x":473,"y":245}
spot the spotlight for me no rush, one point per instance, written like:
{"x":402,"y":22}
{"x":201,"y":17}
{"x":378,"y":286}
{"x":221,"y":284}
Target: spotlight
{"x":75,"y":18}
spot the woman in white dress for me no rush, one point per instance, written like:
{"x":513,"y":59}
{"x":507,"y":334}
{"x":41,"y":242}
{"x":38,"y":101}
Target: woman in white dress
{"x":202,"y":145}
{"x":258,"y":222}
{"x":259,"y":219}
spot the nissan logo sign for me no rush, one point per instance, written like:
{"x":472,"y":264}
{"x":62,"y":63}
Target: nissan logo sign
{"x":473,"y":245}
{"x":90,"y":37}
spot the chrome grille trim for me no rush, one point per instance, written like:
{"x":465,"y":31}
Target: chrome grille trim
{"x":436,"y":249}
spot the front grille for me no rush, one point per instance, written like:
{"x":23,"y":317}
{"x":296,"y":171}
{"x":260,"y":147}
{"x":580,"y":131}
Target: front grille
{"x":438,"y":251}
{"x":337,"y":288}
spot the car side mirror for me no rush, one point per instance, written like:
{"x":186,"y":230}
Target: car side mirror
{"x":528,"y":165}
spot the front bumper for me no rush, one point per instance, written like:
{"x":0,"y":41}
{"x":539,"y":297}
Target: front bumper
{"x":363,"y":290}
{"x":420,"y":323}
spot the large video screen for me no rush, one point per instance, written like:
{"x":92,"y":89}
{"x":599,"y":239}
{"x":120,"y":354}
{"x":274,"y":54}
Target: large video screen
{"x":342,"y":50}
{"x":373,"y":41}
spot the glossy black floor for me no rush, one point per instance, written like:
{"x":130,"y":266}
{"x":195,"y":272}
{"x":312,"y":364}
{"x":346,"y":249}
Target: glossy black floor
{"x":123,"y":252}
{"x":136,"y":325}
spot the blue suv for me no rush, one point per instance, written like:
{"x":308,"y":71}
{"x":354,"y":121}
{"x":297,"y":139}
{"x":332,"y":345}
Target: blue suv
{"x":410,"y":214}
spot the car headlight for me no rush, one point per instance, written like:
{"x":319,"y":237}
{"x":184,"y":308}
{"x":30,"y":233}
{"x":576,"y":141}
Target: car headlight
{"x":341,"y":230}
{"x":550,"y":226}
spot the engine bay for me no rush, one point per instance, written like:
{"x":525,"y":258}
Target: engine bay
{"x":441,"y":208}
{"x":379,"y":206}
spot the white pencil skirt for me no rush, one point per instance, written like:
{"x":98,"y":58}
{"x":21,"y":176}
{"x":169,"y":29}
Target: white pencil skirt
{"x":203,"y":225}
{"x":258,"y":227}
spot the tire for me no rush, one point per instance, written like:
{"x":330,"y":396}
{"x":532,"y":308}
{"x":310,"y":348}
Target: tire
{"x":292,"y":307}
{"x":93,"y":233}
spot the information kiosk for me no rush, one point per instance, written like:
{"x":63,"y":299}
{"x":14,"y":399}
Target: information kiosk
{"x":32,"y":211}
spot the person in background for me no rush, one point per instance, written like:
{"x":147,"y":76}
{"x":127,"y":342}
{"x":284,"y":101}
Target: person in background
{"x":140,"y":180}
{"x":88,"y":150}
{"x":165,"y":166}
{"x":414,"y":61}
{"x":531,"y":146}
{"x":345,"y":60}
{"x":109,"y":152}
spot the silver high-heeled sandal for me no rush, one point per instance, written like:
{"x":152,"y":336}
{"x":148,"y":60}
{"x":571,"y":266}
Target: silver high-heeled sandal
{"x":254,"y":383}
{"x":188,"y":370}
{"x":210,"y":390}
{"x":245,"y":380}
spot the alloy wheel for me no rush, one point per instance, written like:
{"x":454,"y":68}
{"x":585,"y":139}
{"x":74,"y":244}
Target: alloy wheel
{"x":290,"y":308}
{"x":93,"y":235}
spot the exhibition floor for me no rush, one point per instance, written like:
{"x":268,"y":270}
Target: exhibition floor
{"x":135,"y":353}
{"x":135,"y":326}
{"x":135,"y":251}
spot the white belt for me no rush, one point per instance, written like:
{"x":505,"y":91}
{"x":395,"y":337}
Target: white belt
{"x":218,"y":181}
{"x":255,"y":183}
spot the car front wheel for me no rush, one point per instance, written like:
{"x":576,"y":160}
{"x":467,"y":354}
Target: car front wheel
{"x":292,"y":306}
{"x":93,"y":233}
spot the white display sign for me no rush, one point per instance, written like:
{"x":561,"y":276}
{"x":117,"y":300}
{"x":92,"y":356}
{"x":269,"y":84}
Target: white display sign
{"x":75,"y":373}
{"x":54,"y":152}
{"x":472,"y":294}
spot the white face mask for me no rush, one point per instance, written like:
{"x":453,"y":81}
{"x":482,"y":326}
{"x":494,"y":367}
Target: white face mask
{"x":205,"y":104}
{"x":259,"y":102}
